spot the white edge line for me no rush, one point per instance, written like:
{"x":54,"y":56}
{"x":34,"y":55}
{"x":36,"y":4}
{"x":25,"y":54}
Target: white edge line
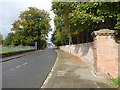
{"x":97,"y":85}
{"x":24,"y":63}
{"x":93,"y":73}
{"x":11,"y":69}
{"x":50,"y":74}
{"x":18,"y":66}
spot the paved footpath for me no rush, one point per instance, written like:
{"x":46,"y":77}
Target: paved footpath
{"x":71,"y":72}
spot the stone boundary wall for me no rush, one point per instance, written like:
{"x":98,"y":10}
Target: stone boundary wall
{"x":103,"y":55}
{"x":105,"y":52}
{"x":84,"y":51}
{"x":119,"y":59}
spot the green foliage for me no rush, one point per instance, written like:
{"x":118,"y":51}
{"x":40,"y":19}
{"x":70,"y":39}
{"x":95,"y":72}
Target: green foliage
{"x":60,"y":36}
{"x":116,"y":81}
{"x":8,"y":40}
{"x":83,"y":18}
{"x":33,"y":25}
{"x":98,"y":15}
{"x":12,"y":44}
{"x":61,"y":21}
{"x":1,"y":39}
{"x":20,"y":45}
{"x":43,"y":43}
{"x":118,"y":22}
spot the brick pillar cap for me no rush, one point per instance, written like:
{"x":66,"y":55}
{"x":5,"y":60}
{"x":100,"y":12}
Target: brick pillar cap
{"x":103,"y":32}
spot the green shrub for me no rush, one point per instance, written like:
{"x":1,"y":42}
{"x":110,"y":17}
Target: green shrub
{"x":20,"y":45}
{"x":116,"y":81}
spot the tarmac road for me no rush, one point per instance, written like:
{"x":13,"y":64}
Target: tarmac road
{"x":29,"y":71}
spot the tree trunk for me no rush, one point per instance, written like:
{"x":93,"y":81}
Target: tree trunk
{"x":86,"y":36}
{"x":78,"y":40}
{"x":82,"y":36}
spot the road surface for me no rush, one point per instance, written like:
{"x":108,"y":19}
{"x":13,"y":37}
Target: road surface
{"x":29,"y":71}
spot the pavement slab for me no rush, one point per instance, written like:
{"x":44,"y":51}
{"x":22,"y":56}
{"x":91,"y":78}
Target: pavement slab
{"x":70,"y":72}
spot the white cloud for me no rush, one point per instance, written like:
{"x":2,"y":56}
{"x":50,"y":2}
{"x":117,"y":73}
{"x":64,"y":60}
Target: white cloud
{"x":11,"y":9}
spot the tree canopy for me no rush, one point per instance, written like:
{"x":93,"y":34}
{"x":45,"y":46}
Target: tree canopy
{"x":8,"y":39}
{"x":1,"y":38}
{"x":79,"y":19}
{"x":32,"y":25}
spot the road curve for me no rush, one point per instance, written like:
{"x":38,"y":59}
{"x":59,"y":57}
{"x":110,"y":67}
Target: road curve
{"x":29,"y":71}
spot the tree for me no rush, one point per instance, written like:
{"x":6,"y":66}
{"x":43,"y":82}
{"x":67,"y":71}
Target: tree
{"x":62,"y":24}
{"x":8,"y":39}
{"x":94,"y":16}
{"x":60,"y":36}
{"x":1,"y":39}
{"x":118,"y":27}
{"x":33,"y":25}
{"x":85,"y":17}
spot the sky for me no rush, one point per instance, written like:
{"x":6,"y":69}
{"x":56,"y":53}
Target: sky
{"x":10,"y":11}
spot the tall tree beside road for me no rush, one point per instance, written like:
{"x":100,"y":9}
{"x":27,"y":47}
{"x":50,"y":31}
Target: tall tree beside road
{"x":33,"y":25}
{"x":85,"y":17}
{"x":62,"y":25}
{"x":8,"y":39}
{"x":59,"y":36}
{"x":92,"y":16}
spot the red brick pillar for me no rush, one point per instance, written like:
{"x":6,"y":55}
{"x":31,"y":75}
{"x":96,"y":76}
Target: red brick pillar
{"x":105,"y":52}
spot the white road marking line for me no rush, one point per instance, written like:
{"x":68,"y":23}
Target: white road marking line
{"x":49,"y":75}
{"x":18,"y":66}
{"x":93,"y":73}
{"x":97,"y":85}
{"x":25,"y":63}
{"x":11,"y":69}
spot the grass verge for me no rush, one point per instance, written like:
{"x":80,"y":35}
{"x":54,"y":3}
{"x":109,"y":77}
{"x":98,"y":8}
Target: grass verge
{"x":116,"y":81}
{"x":7,"y":54}
{"x":13,"y":49}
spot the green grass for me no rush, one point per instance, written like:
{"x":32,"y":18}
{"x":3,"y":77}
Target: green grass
{"x":116,"y":81}
{"x":11,"y":49}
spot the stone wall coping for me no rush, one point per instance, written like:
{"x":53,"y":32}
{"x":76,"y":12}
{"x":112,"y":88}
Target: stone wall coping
{"x":89,"y":43}
{"x":103,"y":32}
